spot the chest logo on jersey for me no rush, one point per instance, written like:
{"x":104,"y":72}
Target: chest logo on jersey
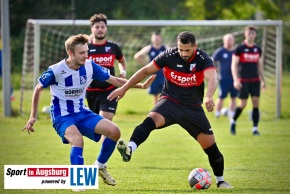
{"x":184,"y":79}
{"x":250,"y":57}
{"x":192,"y":67}
{"x":63,"y":72}
{"x":73,"y":92}
{"x":83,"y":79}
{"x":105,"y":60}
{"x":152,"y":54}
{"x":225,"y":55}
{"x":108,"y":49}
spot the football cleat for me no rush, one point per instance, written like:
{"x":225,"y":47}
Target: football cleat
{"x":107,"y":179}
{"x":124,"y":150}
{"x":223,"y":184}
{"x":256,"y":133}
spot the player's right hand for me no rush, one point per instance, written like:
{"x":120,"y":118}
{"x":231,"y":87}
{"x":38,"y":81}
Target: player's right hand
{"x":29,"y":125}
{"x":237,"y":85}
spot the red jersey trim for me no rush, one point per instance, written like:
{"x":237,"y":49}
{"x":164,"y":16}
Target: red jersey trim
{"x":249,"y":80}
{"x":154,"y":63}
{"x":99,"y":89}
{"x":99,"y":44}
{"x":120,"y":59}
{"x":192,"y":57}
{"x":209,"y":68}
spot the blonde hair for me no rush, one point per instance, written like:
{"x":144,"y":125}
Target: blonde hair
{"x":74,"y":40}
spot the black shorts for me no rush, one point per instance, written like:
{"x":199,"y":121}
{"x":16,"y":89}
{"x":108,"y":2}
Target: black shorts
{"x":252,"y":88}
{"x":97,"y":101}
{"x":192,"y":119}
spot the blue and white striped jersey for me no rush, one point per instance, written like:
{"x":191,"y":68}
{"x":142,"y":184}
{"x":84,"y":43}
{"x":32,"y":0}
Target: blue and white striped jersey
{"x":68,"y":87}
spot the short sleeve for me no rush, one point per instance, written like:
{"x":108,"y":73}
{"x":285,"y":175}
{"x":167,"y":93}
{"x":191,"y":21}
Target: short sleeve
{"x":47,"y":78}
{"x":100,"y":73}
{"x":238,"y":51}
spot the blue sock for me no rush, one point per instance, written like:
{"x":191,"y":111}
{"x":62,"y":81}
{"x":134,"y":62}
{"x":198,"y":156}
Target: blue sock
{"x":76,"y":156}
{"x":107,"y":149}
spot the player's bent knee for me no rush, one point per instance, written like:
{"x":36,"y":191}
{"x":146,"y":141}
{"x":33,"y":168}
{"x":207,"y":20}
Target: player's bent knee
{"x":76,"y":141}
{"x":114,"y":133}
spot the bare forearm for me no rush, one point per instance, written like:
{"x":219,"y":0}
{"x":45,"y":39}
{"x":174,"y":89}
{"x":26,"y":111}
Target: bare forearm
{"x":136,"y":78}
{"x":261,"y":72}
{"x":35,"y":101}
{"x":141,"y":60}
{"x":234,"y":67}
{"x":211,"y":87}
{"x":122,"y":81}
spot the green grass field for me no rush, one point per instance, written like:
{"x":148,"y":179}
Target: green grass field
{"x":162,"y":164}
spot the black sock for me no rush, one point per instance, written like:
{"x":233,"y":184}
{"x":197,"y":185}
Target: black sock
{"x":238,"y":111}
{"x":142,"y":131}
{"x":216,"y":159}
{"x":256,"y":116}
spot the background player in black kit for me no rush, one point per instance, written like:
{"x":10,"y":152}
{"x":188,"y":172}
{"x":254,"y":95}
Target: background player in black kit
{"x":104,"y":53}
{"x":185,"y":68}
{"x":248,"y":74}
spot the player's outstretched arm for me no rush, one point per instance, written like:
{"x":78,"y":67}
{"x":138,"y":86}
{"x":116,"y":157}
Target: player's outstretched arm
{"x":136,"y":78}
{"x":121,"y":81}
{"x":34,"y":106}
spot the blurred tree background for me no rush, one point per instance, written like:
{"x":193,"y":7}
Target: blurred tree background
{"x":22,"y":10}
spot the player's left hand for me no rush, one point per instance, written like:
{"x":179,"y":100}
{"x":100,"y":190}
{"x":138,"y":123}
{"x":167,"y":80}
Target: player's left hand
{"x":123,"y":74}
{"x":148,"y":81}
{"x":116,"y":94}
{"x":29,"y":125}
{"x":209,"y":104}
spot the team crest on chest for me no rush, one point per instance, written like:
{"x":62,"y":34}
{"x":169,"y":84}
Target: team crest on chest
{"x":83,"y":79}
{"x":108,"y":49}
{"x":192,"y":66}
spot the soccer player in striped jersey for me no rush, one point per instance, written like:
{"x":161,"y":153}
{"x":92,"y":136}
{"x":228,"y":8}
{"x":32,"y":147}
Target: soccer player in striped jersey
{"x":71,"y":119}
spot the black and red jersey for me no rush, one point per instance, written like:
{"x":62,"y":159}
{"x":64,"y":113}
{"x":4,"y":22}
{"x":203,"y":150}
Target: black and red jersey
{"x":249,"y":60}
{"x":184,"y":80}
{"x":104,"y":55}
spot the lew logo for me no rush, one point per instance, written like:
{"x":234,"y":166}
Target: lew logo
{"x":83,"y":176}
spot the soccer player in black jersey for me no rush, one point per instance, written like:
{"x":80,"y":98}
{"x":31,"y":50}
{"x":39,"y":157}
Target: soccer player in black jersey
{"x":185,"y":68}
{"x":104,"y":53}
{"x":248,"y":74}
